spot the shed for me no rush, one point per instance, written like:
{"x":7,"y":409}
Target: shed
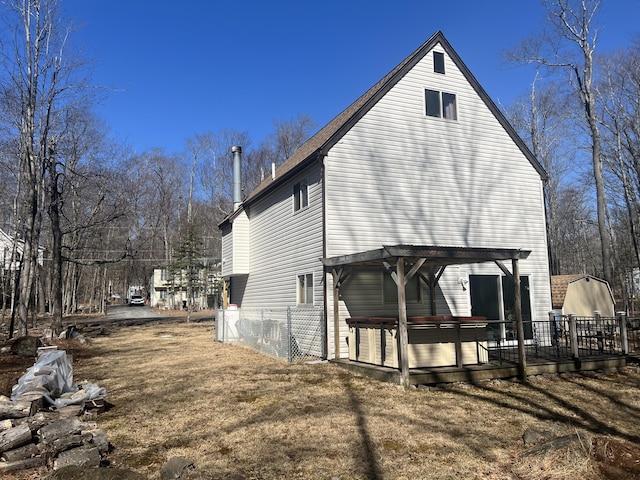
{"x":582,"y":295}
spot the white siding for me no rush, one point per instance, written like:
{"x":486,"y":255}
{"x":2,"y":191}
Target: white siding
{"x":235,"y":246}
{"x":400,"y":177}
{"x":241,"y":249}
{"x":285,"y":244}
{"x":227,"y":250}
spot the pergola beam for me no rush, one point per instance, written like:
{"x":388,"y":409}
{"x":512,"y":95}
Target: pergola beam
{"x":435,"y":260}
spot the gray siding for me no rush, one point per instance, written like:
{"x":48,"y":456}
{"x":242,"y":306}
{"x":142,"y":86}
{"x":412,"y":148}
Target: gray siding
{"x":400,"y":177}
{"x":285,"y":244}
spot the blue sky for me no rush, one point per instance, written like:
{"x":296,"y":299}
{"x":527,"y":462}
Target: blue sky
{"x":184,"y":67}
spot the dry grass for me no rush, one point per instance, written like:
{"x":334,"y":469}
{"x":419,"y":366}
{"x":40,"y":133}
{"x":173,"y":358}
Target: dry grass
{"x":240,"y":415}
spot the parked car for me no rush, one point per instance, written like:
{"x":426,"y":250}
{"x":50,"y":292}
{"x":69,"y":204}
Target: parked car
{"x":136,"y":300}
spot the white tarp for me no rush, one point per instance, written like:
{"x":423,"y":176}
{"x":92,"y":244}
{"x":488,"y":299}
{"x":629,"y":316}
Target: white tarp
{"x":52,"y":377}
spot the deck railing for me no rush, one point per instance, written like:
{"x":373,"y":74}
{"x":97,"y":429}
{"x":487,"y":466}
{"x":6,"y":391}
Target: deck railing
{"x":565,"y":337}
{"x":294,"y":333}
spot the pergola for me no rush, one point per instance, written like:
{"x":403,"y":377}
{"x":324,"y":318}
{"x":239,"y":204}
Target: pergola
{"x":429,"y":262}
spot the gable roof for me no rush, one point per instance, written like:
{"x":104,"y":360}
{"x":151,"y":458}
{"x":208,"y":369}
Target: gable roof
{"x":560,"y":285}
{"x":331,"y":133}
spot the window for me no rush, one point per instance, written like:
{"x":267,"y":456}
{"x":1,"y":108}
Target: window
{"x":163,"y":274}
{"x":163,"y":294}
{"x":432,"y":99}
{"x":440,"y":104}
{"x":438,"y":62}
{"x":300,"y":196}
{"x":413,"y":290}
{"x":493,"y":296}
{"x":449,"y":106}
{"x":305,"y":289}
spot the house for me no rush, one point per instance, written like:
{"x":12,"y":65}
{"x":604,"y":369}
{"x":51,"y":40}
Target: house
{"x":582,"y":295}
{"x":11,"y":252}
{"x":406,"y":204}
{"x":10,"y":258}
{"x":167,"y":290}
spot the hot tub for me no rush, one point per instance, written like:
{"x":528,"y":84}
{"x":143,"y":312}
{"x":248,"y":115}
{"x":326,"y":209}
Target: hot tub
{"x":434,"y":341}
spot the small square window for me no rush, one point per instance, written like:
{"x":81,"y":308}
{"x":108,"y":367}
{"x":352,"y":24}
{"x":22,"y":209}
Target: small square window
{"x":300,"y":196}
{"x":438,"y":62}
{"x":305,"y":289}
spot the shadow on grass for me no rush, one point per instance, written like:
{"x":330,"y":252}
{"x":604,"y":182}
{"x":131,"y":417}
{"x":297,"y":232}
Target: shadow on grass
{"x":543,"y":404}
{"x":372,"y":469}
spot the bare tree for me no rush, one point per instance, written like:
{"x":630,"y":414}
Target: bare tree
{"x":215,"y":168}
{"x":42,"y":77}
{"x":569,"y":46}
{"x":542,"y":123}
{"x":620,"y":118}
{"x":288,"y":136}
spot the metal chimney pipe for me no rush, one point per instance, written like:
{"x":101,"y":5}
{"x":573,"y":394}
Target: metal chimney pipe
{"x":237,"y":183}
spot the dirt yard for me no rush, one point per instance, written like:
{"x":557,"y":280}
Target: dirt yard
{"x":240,"y":415}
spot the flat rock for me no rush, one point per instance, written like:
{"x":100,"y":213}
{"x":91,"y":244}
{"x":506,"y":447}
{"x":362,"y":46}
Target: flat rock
{"x":80,"y":457}
{"x":532,"y":436}
{"x":176,"y":468}
{"x":580,"y":441}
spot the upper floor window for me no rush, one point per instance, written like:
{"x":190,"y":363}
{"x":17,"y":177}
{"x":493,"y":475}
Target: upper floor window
{"x":300,"y":196}
{"x":163,"y":274}
{"x":438,"y":62}
{"x":440,"y":104}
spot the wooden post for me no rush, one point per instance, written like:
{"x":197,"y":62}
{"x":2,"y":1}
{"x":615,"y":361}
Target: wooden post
{"x":336,"y":312}
{"x":432,"y":289}
{"x":402,"y":324}
{"x":458,"y":346}
{"x":573,"y":335}
{"x":624,"y":338}
{"x":599,"y":331}
{"x":522,"y":356}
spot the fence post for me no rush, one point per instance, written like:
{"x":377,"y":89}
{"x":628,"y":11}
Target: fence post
{"x":599,"y":331}
{"x":221,"y":327}
{"x":554,"y":329}
{"x":261,"y":342}
{"x":323,"y":332}
{"x":290,"y":353}
{"x":624,"y":339}
{"x":573,"y":335}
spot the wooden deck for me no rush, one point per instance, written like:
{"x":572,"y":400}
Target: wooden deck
{"x":487,"y":371}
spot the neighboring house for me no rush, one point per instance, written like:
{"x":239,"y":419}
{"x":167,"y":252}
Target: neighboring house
{"x":8,"y":244}
{"x":166,"y":291}
{"x":10,"y":257}
{"x":582,"y":295}
{"x":423,"y":160}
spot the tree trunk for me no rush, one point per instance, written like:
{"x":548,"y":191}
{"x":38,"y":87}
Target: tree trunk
{"x":56,"y":250}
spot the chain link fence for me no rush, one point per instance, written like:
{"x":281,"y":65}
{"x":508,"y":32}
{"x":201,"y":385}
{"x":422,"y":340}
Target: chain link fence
{"x":290,"y":333}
